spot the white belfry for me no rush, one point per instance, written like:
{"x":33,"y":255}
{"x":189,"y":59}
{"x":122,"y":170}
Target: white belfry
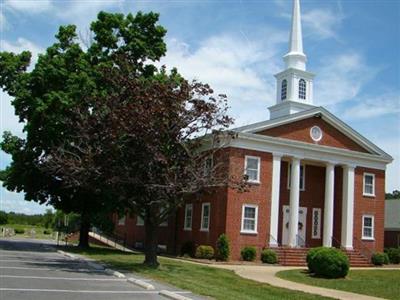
{"x":294,"y":91}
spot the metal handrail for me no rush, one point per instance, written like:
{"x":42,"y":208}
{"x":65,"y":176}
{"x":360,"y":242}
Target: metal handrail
{"x":274,"y":239}
{"x":282,"y":258}
{"x":299,"y":238}
{"x":364,"y":250}
{"x":336,"y":243}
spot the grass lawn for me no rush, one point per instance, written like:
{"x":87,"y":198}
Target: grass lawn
{"x":39,"y":231}
{"x":379,"y":283}
{"x":203,"y":280}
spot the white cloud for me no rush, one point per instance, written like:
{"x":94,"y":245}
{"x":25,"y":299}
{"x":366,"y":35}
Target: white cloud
{"x":322,"y":23}
{"x":10,"y":201}
{"x":3,"y":22}
{"x":371,"y":107}
{"x":391,"y":145}
{"x":234,"y":65}
{"x":82,"y":13}
{"x":21,"y":44}
{"x":9,"y":121}
{"x":29,"y":6}
{"x":341,"y":78}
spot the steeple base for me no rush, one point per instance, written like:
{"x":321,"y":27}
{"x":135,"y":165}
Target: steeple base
{"x":287,"y":108}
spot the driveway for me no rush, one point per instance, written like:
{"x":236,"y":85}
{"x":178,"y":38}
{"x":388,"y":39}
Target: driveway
{"x":33,"y":269}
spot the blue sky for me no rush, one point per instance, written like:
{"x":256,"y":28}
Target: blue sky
{"x":353,"y":46}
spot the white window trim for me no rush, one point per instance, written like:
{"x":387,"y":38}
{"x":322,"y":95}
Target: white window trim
{"x":207,"y":171}
{"x":191,"y":217}
{"x":139,"y":221}
{"x":122,"y":221}
{"x":202,"y":216}
{"x":318,"y":235}
{"x":373,"y":185}
{"x":302,"y":189}
{"x":369,"y":238}
{"x":258,"y":167}
{"x":242,"y":230}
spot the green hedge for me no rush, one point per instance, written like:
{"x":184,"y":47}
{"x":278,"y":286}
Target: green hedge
{"x":378,"y":258}
{"x":269,"y":256}
{"x":248,"y":253}
{"x":394,"y":255}
{"x":328,"y":262}
{"x":223,"y":249}
{"x":204,"y":251}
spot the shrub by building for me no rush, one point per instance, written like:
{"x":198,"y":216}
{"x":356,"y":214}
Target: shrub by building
{"x":269,"y":256}
{"x":328,"y":262}
{"x":248,"y":253}
{"x":223,"y":250}
{"x":378,"y":258}
{"x":394,"y":255}
{"x":204,"y":251}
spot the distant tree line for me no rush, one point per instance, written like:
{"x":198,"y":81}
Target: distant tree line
{"x":393,"y":195}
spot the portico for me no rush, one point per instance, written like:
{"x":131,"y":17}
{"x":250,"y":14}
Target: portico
{"x":326,"y":204}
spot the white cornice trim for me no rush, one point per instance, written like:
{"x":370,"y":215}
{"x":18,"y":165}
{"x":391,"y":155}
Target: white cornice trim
{"x":325,"y":115}
{"x":308,"y":151}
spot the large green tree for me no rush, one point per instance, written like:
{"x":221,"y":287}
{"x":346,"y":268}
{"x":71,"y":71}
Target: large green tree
{"x":153,"y":142}
{"x":45,"y":97}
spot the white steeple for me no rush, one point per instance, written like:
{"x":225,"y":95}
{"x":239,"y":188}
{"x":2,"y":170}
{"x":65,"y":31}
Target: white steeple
{"x":296,"y":58}
{"x":294,"y":91}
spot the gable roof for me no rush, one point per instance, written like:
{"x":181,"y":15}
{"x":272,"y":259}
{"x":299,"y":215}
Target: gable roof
{"x":327,"y":117}
{"x":392,"y":214}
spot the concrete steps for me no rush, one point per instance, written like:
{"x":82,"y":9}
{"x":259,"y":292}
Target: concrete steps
{"x":297,"y":257}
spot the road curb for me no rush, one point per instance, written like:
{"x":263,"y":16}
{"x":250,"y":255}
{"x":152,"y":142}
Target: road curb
{"x":114,"y":273}
{"x":141,"y":283}
{"x":67,"y":254}
{"x":172,"y":295}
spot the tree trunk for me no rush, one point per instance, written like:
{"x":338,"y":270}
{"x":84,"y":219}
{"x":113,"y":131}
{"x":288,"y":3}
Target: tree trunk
{"x":151,"y":242}
{"x":84,"y":232}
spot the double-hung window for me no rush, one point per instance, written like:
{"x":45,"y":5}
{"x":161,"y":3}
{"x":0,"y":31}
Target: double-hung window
{"x":368,"y":227}
{"x":188,"y":216}
{"x":139,"y":221}
{"x":249,"y":218}
{"x":205,"y":217}
{"x":252,"y":168}
{"x":121,"y":221}
{"x":369,"y":184}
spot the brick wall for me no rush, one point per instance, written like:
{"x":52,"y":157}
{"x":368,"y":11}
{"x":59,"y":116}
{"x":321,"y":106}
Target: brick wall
{"x":259,"y":194}
{"x":371,"y":206}
{"x":300,"y":131}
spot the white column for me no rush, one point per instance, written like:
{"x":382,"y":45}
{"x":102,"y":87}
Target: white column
{"x":294,"y":201}
{"x":328,"y":208}
{"x":348,"y":207}
{"x":276,"y":182}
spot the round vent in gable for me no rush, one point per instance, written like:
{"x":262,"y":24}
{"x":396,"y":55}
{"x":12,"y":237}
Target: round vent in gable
{"x":316,"y":133}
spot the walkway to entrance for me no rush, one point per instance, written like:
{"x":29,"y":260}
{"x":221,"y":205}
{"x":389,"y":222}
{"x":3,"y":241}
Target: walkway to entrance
{"x":266,"y":274}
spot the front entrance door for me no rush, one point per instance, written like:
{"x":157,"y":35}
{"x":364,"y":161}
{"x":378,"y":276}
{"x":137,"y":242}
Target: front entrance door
{"x":302,"y":226}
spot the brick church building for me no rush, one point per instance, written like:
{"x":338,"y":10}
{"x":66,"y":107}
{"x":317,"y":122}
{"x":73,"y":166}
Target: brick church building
{"x":314,"y":181}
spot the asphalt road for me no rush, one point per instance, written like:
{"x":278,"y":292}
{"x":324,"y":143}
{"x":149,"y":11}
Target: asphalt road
{"x":33,"y":270}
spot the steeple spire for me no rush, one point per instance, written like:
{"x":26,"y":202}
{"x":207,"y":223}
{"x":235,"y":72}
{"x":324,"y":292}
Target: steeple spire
{"x":296,"y":58}
{"x":294,"y":92}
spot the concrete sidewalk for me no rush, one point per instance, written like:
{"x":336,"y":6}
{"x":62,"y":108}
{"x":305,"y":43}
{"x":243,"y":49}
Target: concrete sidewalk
{"x":266,"y":274}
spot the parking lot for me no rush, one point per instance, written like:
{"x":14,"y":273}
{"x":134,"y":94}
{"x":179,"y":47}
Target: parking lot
{"x":34,"y":270}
